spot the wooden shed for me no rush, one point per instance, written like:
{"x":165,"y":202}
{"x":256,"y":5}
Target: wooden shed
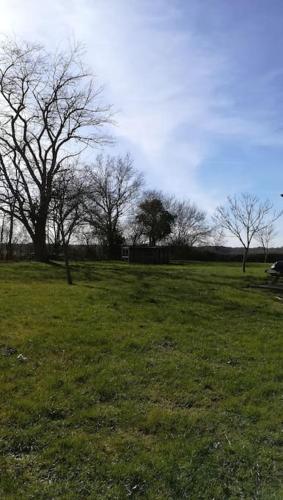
{"x":145,"y":254}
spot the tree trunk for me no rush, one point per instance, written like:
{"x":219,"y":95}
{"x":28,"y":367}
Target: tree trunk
{"x":2,"y":237}
{"x":152,"y":241}
{"x":67,"y":266}
{"x":110,"y":247}
{"x":245,"y":256}
{"x":113,"y":244}
{"x":10,"y":238}
{"x":67,"y":263}
{"x":39,"y":243}
{"x":65,"y":244}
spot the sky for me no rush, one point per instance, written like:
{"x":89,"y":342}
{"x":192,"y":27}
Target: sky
{"x":196,"y":86}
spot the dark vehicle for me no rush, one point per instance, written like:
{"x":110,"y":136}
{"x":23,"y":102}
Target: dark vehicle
{"x":276,"y":270}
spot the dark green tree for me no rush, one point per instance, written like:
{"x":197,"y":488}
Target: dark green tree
{"x":156,"y":222}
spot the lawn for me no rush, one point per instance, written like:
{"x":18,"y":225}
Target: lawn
{"x":157,"y":382}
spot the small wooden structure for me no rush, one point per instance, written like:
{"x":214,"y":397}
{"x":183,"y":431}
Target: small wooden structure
{"x":145,"y":255}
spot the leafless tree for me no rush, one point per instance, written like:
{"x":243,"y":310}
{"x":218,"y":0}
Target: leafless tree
{"x":113,"y":186}
{"x":191,"y":226}
{"x":217,"y":236}
{"x":244,"y":217}
{"x":264,"y":238}
{"x":12,"y":233}
{"x":134,"y":231}
{"x":66,"y":211}
{"x":50,"y":110}
{"x":7,"y":236}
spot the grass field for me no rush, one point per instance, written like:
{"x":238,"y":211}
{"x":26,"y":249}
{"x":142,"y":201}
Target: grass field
{"x":160,"y":382}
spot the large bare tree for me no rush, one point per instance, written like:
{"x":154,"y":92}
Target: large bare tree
{"x":50,"y":110}
{"x":245,"y":216}
{"x":113,"y":186}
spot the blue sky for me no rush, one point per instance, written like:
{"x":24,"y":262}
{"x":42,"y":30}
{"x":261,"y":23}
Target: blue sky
{"x":197,"y":85}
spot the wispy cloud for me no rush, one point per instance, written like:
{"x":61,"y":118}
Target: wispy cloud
{"x":174,"y":87}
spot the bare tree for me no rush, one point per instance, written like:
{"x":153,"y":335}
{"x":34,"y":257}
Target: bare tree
{"x":6,"y":236}
{"x":134,"y":231}
{"x":217,"y":236}
{"x":264,"y":238}
{"x":191,"y":226}
{"x":244,"y":217}
{"x":12,"y":233}
{"x":50,"y":110}
{"x":66,"y":211}
{"x":113,"y":186}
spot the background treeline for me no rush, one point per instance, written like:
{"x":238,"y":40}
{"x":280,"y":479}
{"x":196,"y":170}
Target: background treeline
{"x":51,"y":112}
{"x":24,"y":251}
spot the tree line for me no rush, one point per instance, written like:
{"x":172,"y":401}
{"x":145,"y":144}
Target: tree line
{"x":51,"y":111}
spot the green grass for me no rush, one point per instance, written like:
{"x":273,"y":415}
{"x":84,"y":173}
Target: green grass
{"x":158,"y":382}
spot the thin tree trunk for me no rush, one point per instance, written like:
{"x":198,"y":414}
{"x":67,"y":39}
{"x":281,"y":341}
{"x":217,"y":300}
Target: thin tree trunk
{"x":67,"y":265}
{"x":2,"y":236}
{"x":66,"y":258}
{"x":245,"y":256}
{"x":10,"y":238}
{"x":110,"y":245}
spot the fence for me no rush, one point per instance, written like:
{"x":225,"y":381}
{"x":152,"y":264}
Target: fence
{"x":146,"y":254}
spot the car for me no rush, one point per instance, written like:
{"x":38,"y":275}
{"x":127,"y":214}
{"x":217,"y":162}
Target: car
{"x":276,"y":270}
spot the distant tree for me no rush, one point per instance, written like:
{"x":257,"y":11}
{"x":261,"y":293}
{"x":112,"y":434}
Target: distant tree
{"x":113,"y":187}
{"x":133,"y":231}
{"x":8,"y":235}
{"x":66,"y":211}
{"x":217,"y":236}
{"x":50,"y":110}
{"x":264,"y":238}
{"x":245,"y":217}
{"x":7,"y":231}
{"x":190,"y":226}
{"x":154,"y":220}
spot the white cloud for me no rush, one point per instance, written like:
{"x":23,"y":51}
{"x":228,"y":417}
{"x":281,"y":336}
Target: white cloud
{"x":167,"y":83}
{"x":157,"y":76}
